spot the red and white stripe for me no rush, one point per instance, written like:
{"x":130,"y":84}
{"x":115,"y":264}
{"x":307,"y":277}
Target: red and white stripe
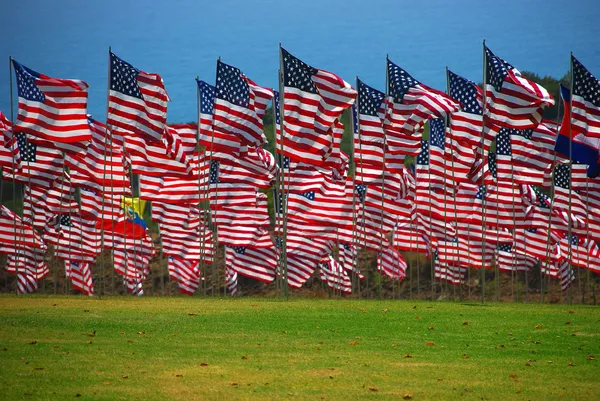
{"x":257,"y":263}
{"x":392,"y":264}
{"x":61,"y":116}
{"x":81,"y":277}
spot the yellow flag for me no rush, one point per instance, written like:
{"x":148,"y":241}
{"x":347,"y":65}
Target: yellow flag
{"x":136,"y":205}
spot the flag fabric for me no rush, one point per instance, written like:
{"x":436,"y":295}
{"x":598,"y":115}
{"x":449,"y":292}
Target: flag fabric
{"x":239,"y":106}
{"x":412,"y":103}
{"x":335,"y":276}
{"x":509,"y":260}
{"x":15,"y":231}
{"x":585,"y":102}
{"x":51,"y":108}
{"x":137,"y":100}
{"x":81,"y":277}
{"x":454,"y":274}
{"x":37,"y":164}
{"x":511,"y":100}
{"x":231,"y":281}
{"x":561,"y":270}
{"x":207,"y":137}
{"x":391,"y":263}
{"x":583,"y":148}
{"x":186,"y":273}
{"x":257,"y":263}
{"x":313,"y":100}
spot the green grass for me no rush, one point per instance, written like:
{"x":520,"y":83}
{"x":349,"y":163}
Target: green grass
{"x":195,"y":348}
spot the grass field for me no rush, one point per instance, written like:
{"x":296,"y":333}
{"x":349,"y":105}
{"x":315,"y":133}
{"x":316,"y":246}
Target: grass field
{"x":195,"y":348}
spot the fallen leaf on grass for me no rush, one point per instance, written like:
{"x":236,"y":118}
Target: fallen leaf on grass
{"x":28,"y":394}
{"x":331,"y":377}
{"x":431,"y":328}
{"x":244,"y":358}
{"x":375,"y":389}
{"x":538,"y":326}
{"x":591,"y":358}
{"x":414,"y":307}
{"x":33,"y":342}
{"x":527,"y":364}
{"x":86,"y":310}
{"x":284,"y":332}
{"x":192,"y":314}
{"x":465,"y":356}
{"x":465,"y":323}
{"x":571,"y":312}
{"x":568,"y":323}
{"x":513,"y":376}
{"x":107,"y":383}
{"x":571,"y":364}
{"x":125,"y":377}
{"x":549,"y":361}
{"x":4,"y":349}
{"x":234,"y":384}
{"x":353,"y":342}
{"x":384,"y":310}
{"x":129,"y":342}
{"x":89,"y":342}
{"x":56,"y":346}
{"x":430,"y":343}
{"x":363,"y":310}
{"x":178,"y":375}
{"x":77,"y":395}
{"x":407,"y":356}
{"x":417,"y":317}
{"x":407,"y":397}
{"x":39,"y":368}
{"x":141,"y":332}
{"x":122,"y":332}
{"x":254,"y":305}
{"x":204,"y":364}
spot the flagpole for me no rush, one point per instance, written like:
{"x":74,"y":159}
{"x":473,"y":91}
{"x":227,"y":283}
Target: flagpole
{"x":362,"y":184}
{"x":484,"y":193}
{"x":570,"y":172}
{"x":460,"y":293}
{"x":355,"y":133}
{"x":284,"y":198}
{"x":112,"y":221}
{"x":14,"y":186}
{"x":587,"y":241}
{"x":201,"y":230}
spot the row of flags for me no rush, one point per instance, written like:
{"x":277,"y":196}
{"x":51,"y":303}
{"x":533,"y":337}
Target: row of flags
{"x":471,"y":177}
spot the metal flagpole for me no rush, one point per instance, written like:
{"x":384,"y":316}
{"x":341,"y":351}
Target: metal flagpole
{"x":355,"y":133}
{"x":360,"y":251}
{"x":460,"y":294}
{"x":587,"y":241}
{"x":276,"y":193}
{"x":483,"y":193}
{"x":382,"y":216}
{"x":201,"y":230}
{"x":14,"y":188}
{"x":284,"y":197}
{"x":570,"y":173}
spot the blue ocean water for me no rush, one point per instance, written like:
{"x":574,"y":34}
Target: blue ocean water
{"x":181,"y":39}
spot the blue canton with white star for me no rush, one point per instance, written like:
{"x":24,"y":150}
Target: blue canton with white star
{"x":214,"y":172}
{"x":123,"y":77}
{"x":207,"y":97}
{"x":27,"y":150}
{"x":505,"y":247}
{"x":437,"y":132}
{"x":369,"y":99}
{"x":400,"y":81}
{"x":496,"y":70}
{"x":26,"y":85}
{"x":298,"y":74}
{"x":65,"y":220}
{"x":493,"y":164}
{"x":585,"y":84}
{"x":240,"y":250}
{"x":423,"y":157}
{"x":503,"y":142}
{"x":231,"y":85}
{"x":310,"y":195}
{"x":562,"y":176}
{"x":361,"y":190}
{"x":465,"y":91}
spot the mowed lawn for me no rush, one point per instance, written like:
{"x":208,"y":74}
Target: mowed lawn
{"x":202,"y":348}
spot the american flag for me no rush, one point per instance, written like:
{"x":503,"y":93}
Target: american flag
{"x":14,"y":231}
{"x":102,"y":167}
{"x":74,"y":238}
{"x":578,"y":250}
{"x":567,"y":200}
{"x":313,"y":100}
{"x":511,"y":100}
{"x":348,"y":258}
{"x":37,"y":164}
{"x":257,"y":263}
{"x":335,"y":276}
{"x":412,"y":103}
{"x":585,"y":102}
{"x":30,"y":267}
{"x":217,"y":141}
{"x":239,"y":106}
{"x":131,"y":259}
{"x":518,"y":158}
{"x":369,"y":139}
{"x":51,"y":108}
{"x":303,"y":255}
{"x":391,"y":263}
{"x":561,"y":270}
{"x":509,"y":260}
{"x":8,"y":150}
{"x":81,"y":277}
{"x":186,"y":273}
{"x":231,"y":281}
{"x":444,"y":272}
{"x":137,"y":100}
{"x":164,"y":157}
